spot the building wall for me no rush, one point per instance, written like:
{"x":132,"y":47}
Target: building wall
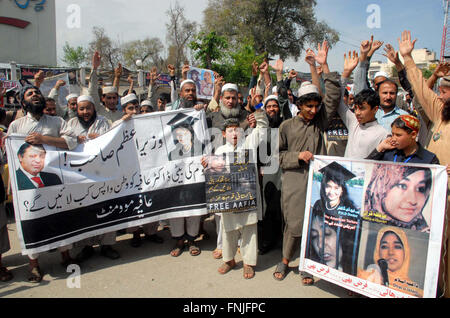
{"x":36,"y":43}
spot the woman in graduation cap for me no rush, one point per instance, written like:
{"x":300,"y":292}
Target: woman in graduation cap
{"x":186,"y":143}
{"x":334,"y":221}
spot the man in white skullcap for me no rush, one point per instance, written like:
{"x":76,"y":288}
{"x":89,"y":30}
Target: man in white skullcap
{"x":42,"y":129}
{"x":188,"y":96}
{"x":107,"y":106}
{"x":88,"y":125}
{"x":300,"y":139}
{"x":229,"y":108}
{"x":147,"y":107}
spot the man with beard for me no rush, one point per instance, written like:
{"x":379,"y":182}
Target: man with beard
{"x":389,"y":111}
{"x":437,"y":108}
{"x":229,"y":108}
{"x":41,"y":129}
{"x":107,"y":107}
{"x":87,"y":125}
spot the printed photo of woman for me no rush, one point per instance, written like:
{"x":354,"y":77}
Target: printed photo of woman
{"x":392,"y":258}
{"x":334,"y":222}
{"x":397,"y":195}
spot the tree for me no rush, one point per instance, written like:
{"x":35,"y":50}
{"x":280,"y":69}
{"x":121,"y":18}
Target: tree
{"x":109,"y":51}
{"x":74,"y":56}
{"x":208,"y":47}
{"x":276,"y":27}
{"x":147,"y":50}
{"x":179,"y":32}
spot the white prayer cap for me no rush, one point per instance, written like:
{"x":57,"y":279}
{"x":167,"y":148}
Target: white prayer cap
{"x":307,"y":88}
{"x":109,"y":89}
{"x":85,"y":98}
{"x":381,"y":74}
{"x":188,"y":81}
{"x":146,"y":103}
{"x":70,"y":96}
{"x":275,"y":90}
{"x":230,"y":86}
{"x":128,"y":99}
{"x":271,"y":97}
{"x":259,"y":91}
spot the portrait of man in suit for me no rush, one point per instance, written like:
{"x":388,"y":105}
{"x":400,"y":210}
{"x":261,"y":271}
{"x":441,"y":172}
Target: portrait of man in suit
{"x":30,"y":175}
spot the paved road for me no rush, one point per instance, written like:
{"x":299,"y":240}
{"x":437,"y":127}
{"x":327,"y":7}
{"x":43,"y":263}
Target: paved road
{"x":150,"y":272}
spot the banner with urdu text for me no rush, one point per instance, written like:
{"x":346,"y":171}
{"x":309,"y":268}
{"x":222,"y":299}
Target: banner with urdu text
{"x":375,"y":227}
{"x":144,"y":170}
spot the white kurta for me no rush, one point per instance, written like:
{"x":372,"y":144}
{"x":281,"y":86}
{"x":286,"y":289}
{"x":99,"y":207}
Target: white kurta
{"x":100,"y":126}
{"x":46,"y":126}
{"x":235,"y":221}
{"x":362,"y":139}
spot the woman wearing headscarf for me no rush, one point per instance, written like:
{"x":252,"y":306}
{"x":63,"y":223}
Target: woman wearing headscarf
{"x":392,"y":257}
{"x":396,"y":195}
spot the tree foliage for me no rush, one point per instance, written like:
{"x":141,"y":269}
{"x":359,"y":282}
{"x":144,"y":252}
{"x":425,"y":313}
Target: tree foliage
{"x":179,"y":32}
{"x":74,"y":56}
{"x":208,"y":47}
{"x":276,"y":27}
{"x":147,"y":50}
{"x":109,"y":50}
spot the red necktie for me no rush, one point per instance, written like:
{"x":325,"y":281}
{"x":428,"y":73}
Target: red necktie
{"x":38,"y":181}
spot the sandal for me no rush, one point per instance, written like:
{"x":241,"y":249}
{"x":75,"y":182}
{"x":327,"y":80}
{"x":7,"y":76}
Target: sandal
{"x":282,"y":269}
{"x":307,"y":281}
{"x":217,"y":254}
{"x":194,"y":250}
{"x":177,"y":250}
{"x":36,"y":275}
{"x":226,"y":267}
{"x":249,"y":272}
{"x":5,"y":274}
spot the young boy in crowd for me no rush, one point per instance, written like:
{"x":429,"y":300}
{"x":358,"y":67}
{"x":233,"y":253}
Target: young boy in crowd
{"x":402,"y":146}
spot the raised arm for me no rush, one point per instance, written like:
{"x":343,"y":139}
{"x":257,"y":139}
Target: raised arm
{"x":429,"y":100}
{"x":311,"y":60}
{"x":93,"y":84}
{"x":360,"y":79}
{"x":117,"y":74}
{"x":54,"y":93}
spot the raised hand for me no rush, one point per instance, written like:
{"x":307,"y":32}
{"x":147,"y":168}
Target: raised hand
{"x":442,"y":69}
{"x":292,"y":74}
{"x":255,"y":68}
{"x":171,"y":70}
{"x":322,"y":53}
{"x":364,"y":49}
{"x":391,"y":54}
{"x":278,"y":67}
{"x":96,"y":60}
{"x":153,"y":75}
{"x":118,"y":71}
{"x":310,"y":57}
{"x":264,"y":68}
{"x":406,"y":46}
{"x":184,"y":71}
{"x":60,"y":83}
{"x":39,"y":78}
{"x":350,"y":63}
{"x":375,"y":46}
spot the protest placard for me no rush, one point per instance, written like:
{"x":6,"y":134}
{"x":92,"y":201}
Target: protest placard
{"x":124,"y":178}
{"x":375,"y":227}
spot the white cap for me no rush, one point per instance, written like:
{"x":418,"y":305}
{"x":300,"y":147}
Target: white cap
{"x":259,"y":91}
{"x":230,"y":86}
{"x":188,"y":81}
{"x":275,"y":90}
{"x":109,"y":89}
{"x":127,"y":99}
{"x":307,"y":88}
{"x":70,"y":96}
{"x":269,"y":98}
{"x":379,"y":74}
{"x":146,"y":103}
{"x":85,"y":98}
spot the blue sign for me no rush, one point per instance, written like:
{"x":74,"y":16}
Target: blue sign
{"x":39,"y":6}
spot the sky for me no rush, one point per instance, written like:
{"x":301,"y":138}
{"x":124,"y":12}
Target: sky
{"x":126,"y":20}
